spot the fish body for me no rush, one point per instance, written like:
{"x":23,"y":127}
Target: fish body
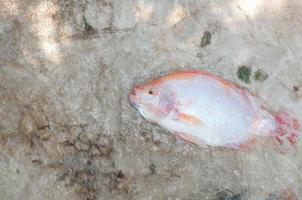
{"x":203,"y":108}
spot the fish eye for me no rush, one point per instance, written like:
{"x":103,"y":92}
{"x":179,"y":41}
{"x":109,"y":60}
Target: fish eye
{"x":150,"y":92}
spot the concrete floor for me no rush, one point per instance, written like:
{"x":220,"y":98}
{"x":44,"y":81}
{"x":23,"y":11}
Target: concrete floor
{"x":67,"y":130}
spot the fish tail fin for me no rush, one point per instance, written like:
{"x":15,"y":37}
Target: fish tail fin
{"x":287,"y":128}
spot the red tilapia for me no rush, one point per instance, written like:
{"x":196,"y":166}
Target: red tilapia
{"x":203,"y":108}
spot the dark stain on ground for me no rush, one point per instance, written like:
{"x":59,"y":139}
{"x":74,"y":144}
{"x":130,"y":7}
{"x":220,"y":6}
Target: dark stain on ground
{"x":88,"y":28}
{"x":118,"y":181}
{"x":244,"y":73}
{"x":97,"y":145}
{"x":83,"y":175}
{"x":149,"y":138}
{"x":84,"y":182}
{"x":153,"y":170}
{"x":296,"y":88}
{"x":229,"y":195}
{"x":34,"y":123}
{"x":83,"y":159}
{"x":39,"y":162}
{"x":90,"y":150}
{"x":206,"y":39}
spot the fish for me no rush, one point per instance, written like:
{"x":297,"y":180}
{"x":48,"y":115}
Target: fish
{"x":206,"y":110}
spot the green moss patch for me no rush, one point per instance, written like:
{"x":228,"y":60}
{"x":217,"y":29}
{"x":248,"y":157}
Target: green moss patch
{"x":260,"y":75}
{"x":244,"y":74}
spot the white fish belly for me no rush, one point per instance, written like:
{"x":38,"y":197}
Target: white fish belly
{"x":226,"y":115}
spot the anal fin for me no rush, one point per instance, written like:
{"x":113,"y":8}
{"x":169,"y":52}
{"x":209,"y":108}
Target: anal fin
{"x":189,"y":139}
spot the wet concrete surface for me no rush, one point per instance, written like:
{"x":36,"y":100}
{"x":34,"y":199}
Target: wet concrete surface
{"x":67,"y":130}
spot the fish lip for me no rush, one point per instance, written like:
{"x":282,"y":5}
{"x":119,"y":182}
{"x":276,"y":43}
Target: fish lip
{"x":132,"y":99}
{"x":134,"y":104}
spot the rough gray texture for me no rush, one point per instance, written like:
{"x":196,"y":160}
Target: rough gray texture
{"x":67,"y":130}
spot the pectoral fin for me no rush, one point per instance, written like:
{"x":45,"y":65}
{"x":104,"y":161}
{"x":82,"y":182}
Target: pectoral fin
{"x":189,"y":119}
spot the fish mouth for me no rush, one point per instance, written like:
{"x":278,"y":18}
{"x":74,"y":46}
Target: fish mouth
{"x":133,"y":98}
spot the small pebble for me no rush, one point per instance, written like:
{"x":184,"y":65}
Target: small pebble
{"x":206,"y":39}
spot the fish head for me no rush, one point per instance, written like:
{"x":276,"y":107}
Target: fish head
{"x":152,"y":101}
